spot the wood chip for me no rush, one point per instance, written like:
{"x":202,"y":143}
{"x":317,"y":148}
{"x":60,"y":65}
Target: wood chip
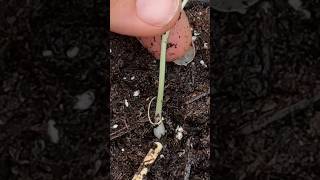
{"x":148,"y":161}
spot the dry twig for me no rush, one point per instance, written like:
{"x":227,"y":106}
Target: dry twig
{"x":187,"y":169}
{"x":148,"y":161}
{"x":271,"y":117}
{"x":198,"y":97}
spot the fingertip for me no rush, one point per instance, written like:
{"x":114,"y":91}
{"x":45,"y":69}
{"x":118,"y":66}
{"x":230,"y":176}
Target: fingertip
{"x":157,"y":12}
{"x":126,"y":19}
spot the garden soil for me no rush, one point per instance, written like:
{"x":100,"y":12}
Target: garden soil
{"x":186,"y":104}
{"x":39,"y":84}
{"x":266,"y":108}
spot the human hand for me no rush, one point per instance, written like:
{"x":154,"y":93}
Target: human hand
{"x":148,"y":20}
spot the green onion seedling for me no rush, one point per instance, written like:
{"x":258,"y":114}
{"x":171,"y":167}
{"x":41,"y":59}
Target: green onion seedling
{"x":159,"y":129}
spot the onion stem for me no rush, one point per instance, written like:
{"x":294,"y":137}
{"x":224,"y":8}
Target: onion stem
{"x":162,"y":71}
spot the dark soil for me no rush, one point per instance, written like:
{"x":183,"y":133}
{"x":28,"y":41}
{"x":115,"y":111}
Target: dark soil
{"x":266,"y":81}
{"x":36,"y":89}
{"x":133,"y":137}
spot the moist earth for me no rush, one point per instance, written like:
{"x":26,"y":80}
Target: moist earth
{"x":186,"y":104}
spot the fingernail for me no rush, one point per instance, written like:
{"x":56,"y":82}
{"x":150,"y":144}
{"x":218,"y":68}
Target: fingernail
{"x":157,"y":12}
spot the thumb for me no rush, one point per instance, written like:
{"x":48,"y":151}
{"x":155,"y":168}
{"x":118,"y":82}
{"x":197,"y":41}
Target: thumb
{"x":143,"y":17}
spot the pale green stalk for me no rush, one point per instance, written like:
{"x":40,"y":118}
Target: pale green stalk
{"x":162,"y":71}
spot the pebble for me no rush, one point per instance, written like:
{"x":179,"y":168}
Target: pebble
{"x":203,"y":63}
{"x":196,"y":33}
{"x":181,"y":153}
{"x":179,"y":131}
{"x":115,"y":126}
{"x":132,"y":78}
{"x":161,"y":156}
{"x":122,"y":150}
{"x":136,"y":93}
{"x":53,"y":131}
{"x":126,"y":103}
{"x":84,"y":100}
{"x":205,"y":46}
{"x":73,"y":52}
{"x":47,"y":53}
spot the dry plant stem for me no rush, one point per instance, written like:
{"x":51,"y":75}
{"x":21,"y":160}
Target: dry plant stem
{"x":148,"y":161}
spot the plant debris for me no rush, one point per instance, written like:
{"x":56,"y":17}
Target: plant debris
{"x":148,"y":161}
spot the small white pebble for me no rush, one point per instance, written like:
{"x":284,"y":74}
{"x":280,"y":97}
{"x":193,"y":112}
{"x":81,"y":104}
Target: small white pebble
{"x":194,"y":38}
{"x":73,"y":52}
{"x":179,"y":131}
{"x":203,"y":63}
{"x":132,"y":78}
{"x":115,"y":126}
{"x":85,"y":100}
{"x":181,"y":153}
{"x":126,"y":103}
{"x":124,"y":78}
{"x":53,"y":131}
{"x":196,"y":33}
{"x":161,"y":156}
{"x":122,"y":150}
{"x":110,"y":51}
{"x":46,"y":53}
{"x":136,"y":93}
{"x":205,"y":46}
{"x":179,"y":136}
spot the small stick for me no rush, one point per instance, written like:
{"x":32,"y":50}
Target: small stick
{"x":187,"y":169}
{"x":148,"y":161}
{"x":198,"y":97}
{"x":119,"y":133}
{"x":269,"y":118}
